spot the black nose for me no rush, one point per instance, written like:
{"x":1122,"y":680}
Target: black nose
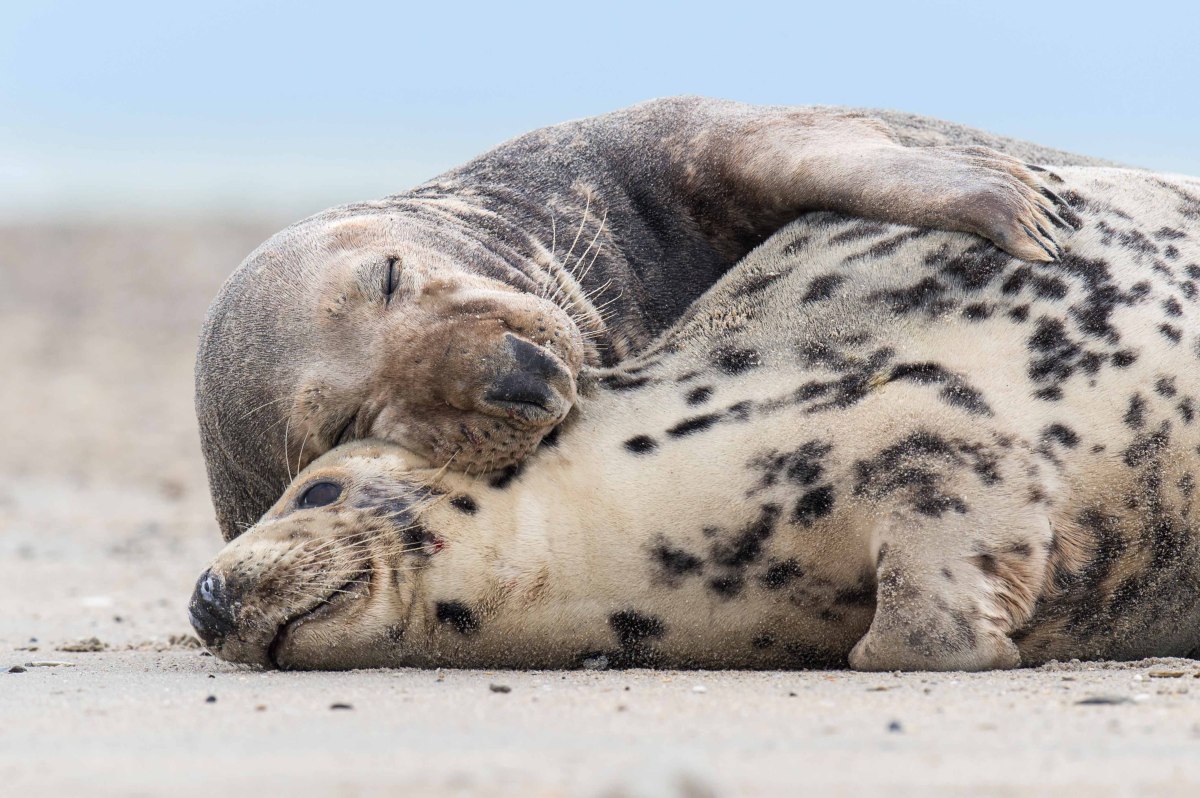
{"x":211,"y":609}
{"x":535,"y":386}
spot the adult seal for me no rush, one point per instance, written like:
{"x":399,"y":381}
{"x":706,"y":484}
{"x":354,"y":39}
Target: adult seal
{"x":452,"y":319}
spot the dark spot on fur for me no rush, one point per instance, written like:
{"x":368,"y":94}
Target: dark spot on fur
{"x":917,"y":466}
{"x":926,"y":295}
{"x":740,"y":411}
{"x":503,"y":478}
{"x":1187,"y":409}
{"x":746,"y":546}
{"x":986,"y":563}
{"x":698,"y":396}
{"x":977,"y":311}
{"x":858,"y":231}
{"x":1124,"y":358}
{"x":1044,"y":287}
{"x":1061,"y":433}
{"x":1165,"y":386}
{"x":780,"y":574}
{"x":693,"y":424}
{"x":458,"y":615}
{"x":888,"y":246}
{"x":822,"y":287}
{"x":1135,"y":416}
{"x":814,"y":504}
{"x":676,"y":562}
{"x":633,"y":631}
{"x":464,"y":504}
{"x":1171,"y":332}
{"x":1147,"y":445}
{"x":762,"y":641}
{"x":955,"y":390}
{"x":756,"y":284}
{"x":736,"y":361}
{"x":641,"y":444}
{"x":623,"y":382}
{"x":803,"y":466}
{"x":726,"y":586}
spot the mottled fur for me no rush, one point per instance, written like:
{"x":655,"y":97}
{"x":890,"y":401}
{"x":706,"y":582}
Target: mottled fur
{"x":587,"y":239}
{"x":867,"y":444}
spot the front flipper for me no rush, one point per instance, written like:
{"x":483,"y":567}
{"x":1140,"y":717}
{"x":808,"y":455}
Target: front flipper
{"x":850,"y":164}
{"x":959,"y":565}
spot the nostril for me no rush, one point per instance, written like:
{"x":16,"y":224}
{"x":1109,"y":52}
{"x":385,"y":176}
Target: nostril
{"x":532,"y":359}
{"x":211,"y":609}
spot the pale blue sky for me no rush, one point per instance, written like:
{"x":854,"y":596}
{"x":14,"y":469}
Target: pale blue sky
{"x":274,"y":107}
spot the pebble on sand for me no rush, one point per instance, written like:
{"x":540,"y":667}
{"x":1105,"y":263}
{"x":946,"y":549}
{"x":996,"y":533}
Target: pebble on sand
{"x":1105,"y":699}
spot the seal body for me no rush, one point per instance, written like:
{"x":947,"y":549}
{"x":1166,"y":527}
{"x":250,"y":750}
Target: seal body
{"x":868,"y":444}
{"x":452,"y":319}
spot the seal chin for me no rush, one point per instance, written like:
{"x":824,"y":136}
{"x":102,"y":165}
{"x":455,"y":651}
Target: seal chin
{"x":332,"y":608}
{"x":240,"y":627}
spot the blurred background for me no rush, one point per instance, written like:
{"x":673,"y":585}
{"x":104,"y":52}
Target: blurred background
{"x":146,"y":148}
{"x":289,"y":107}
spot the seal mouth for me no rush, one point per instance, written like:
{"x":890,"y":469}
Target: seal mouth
{"x":540,"y":406}
{"x":355,"y":587}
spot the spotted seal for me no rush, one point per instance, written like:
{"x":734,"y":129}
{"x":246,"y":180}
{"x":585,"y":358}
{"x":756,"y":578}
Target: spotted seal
{"x":452,"y":318}
{"x":871,"y":445}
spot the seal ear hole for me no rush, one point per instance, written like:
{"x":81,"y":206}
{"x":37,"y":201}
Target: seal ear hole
{"x":319,"y":494}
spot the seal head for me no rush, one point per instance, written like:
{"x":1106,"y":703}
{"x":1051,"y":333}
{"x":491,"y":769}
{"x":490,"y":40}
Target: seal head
{"x":351,"y":325}
{"x":326,"y":578}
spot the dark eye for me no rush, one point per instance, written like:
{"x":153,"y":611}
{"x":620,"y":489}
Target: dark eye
{"x":319,"y":494}
{"x":391,"y":278}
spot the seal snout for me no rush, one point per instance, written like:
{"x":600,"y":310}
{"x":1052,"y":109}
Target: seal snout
{"x":212,"y":610}
{"x":535,"y":387}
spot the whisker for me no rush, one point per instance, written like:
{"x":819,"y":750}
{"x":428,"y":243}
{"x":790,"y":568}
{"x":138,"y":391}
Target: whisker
{"x":300,"y":454}
{"x":263,"y":405}
{"x":599,"y":230}
{"x":582,"y":221}
{"x":286,"y":460}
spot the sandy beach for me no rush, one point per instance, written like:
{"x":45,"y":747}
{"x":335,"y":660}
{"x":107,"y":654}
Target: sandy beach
{"x":105,"y":523}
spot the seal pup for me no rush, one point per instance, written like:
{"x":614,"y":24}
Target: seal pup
{"x":453,"y":318}
{"x":869,"y":445}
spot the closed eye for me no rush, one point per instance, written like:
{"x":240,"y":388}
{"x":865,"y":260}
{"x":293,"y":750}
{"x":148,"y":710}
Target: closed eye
{"x":391,"y":279}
